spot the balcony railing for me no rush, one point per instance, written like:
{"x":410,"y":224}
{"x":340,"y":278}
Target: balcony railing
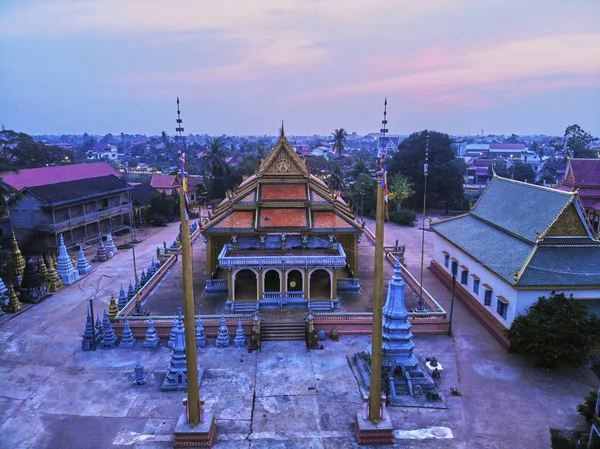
{"x":74,"y":222}
{"x":226,"y":261}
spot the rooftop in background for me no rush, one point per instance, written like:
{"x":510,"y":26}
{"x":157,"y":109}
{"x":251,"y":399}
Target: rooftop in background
{"x":65,"y":192}
{"x":33,"y":177}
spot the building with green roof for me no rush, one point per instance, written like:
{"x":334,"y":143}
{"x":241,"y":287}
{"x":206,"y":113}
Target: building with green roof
{"x":519,"y":242}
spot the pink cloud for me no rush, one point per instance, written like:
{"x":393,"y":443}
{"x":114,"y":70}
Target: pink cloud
{"x":515,"y":63}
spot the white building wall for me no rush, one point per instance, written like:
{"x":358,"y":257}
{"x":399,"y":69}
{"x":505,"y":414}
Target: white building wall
{"x":526,"y":298}
{"x":499,"y":287}
{"x":519,"y":300}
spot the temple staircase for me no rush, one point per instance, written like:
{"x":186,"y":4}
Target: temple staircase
{"x":282,"y":331}
{"x":244,"y":307}
{"x":321,"y":306}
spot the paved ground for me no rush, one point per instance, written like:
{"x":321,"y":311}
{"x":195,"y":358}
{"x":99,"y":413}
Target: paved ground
{"x":53,"y":395}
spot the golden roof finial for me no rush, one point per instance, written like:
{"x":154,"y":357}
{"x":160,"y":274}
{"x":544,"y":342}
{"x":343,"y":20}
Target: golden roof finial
{"x":18,"y":260}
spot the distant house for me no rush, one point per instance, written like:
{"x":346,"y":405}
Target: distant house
{"x":479,"y":171}
{"x":506,"y":150}
{"x":301,"y":147}
{"x":80,"y":202}
{"x":583,"y":176}
{"x":519,"y":242}
{"x":141,"y":196}
{"x":170,"y":183}
{"x":103,"y":151}
{"x":232,"y":161}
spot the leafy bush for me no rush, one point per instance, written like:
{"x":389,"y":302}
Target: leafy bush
{"x":403,"y":217}
{"x":587,"y":408}
{"x":557,"y":329}
{"x":158,"y":220}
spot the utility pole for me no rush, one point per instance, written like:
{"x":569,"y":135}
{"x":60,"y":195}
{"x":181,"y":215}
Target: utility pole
{"x":452,"y":302}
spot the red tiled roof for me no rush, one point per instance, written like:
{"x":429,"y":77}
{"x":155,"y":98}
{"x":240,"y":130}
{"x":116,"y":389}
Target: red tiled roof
{"x":283,"y":218}
{"x":163,"y":181}
{"x":237,"y":220}
{"x":283,"y":192}
{"x":33,"y":177}
{"x":249,"y":198}
{"x":328,"y":220}
{"x":586,"y":171}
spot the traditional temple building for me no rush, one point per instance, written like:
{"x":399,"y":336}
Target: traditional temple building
{"x":518,"y":243}
{"x":583,"y":176}
{"x":282,"y":239}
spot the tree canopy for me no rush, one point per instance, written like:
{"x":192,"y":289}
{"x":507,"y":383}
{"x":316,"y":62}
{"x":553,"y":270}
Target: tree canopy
{"x":557,"y":329}
{"x":22,"y":151}
{"x":400,"y":189}
{"x":577,"y":141}
{"x":445,"y":179}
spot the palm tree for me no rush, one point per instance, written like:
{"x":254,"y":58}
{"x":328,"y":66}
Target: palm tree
{"x":215,"y":158}
{"x":339,"y":139}
{"x":166,"y":140}
{"x":336,"y":179}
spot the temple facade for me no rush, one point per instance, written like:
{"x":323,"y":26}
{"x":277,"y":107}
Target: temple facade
{"x":282,"y":239}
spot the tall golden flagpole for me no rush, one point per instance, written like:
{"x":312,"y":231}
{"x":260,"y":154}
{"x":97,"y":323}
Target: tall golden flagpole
{"x":191,"y":357}
{"x":375,"y":392}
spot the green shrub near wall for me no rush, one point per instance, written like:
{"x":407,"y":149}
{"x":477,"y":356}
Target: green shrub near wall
{"x":403,"y":217}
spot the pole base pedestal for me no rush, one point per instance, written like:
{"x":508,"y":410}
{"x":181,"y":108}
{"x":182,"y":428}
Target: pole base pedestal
{"x":202,"y":435}
{"x":369,"y":433}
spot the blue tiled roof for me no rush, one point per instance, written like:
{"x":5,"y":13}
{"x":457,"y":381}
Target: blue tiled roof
{"x":520,"y":208}
{"x":499,"y":251}
{"x":563,"y":266}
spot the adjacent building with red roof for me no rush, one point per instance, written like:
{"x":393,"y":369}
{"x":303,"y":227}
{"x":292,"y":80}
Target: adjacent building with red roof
{"x":282,"y":239}
{"x":583,"y":176}
{"x":81,"y":202}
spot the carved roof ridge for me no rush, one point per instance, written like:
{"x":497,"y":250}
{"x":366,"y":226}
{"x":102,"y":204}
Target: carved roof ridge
{"x":282,"y":154}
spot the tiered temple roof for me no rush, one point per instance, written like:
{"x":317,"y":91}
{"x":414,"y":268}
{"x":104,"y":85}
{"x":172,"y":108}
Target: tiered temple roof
{"x":282,"y":196}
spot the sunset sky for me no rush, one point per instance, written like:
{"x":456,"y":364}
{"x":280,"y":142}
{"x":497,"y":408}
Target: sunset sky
{"x":240,"y":67}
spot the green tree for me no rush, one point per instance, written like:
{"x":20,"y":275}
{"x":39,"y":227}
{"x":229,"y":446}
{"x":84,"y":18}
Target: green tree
{"x":24,"y":152}
{"x":445,"y":178}
{"x":360,"y":166}
{"x":400,"y":189}
{"x":339,"y":140}
{"x":557,"y":329}
{"x":523,"y":172}
{"x":578,"y":141}
{"x":215,"y":158}
{"x":335,"y":180}
{"x":364,"y":189}
{"x":588,"y":407}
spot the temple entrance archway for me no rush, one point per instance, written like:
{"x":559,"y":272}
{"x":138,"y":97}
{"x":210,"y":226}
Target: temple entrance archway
{"x":245,"y":285}
{"x":319,"y":283}
{"x":272,"y":281}
{"x":295,"y":281}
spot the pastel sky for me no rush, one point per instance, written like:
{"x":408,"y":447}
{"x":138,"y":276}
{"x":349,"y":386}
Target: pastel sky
{"x":240,"y":67}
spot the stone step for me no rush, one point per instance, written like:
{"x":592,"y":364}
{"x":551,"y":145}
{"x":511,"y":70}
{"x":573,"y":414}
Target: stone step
{"x":241,"y":307}
{"x":282,"y":331}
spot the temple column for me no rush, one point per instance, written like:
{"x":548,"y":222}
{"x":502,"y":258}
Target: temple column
{"x":283,"y":282}
{"x":261,"y":286}
{"x":209,"y":259}
{"x":230,"y":289}
{"x":306,"y":284}
{"x":334,"y":283}
{"x":355,"y":256}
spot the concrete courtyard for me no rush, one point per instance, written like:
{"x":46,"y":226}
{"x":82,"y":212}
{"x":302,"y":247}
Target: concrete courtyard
{"x":53,"y":395}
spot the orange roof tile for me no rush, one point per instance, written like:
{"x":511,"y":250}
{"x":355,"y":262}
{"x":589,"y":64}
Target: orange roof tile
{"x":283,"y":218}
{"x":329,"y":220}
{"x":283,"y":192}
{"x":237,"y":220}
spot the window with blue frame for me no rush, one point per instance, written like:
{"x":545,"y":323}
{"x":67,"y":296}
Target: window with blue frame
{"x":502,"y":307}
{"x":476,"y":286}
{"x":446,"y":260}
{"x":464,"y":277}
{"x":454,"y":267}
{"x":487,"y":299}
